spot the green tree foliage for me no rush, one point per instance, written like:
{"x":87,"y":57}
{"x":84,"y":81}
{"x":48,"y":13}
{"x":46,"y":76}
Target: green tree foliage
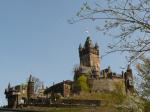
{"x":146,"y":105}
{"x":37,"y":84}
{"x":81,"y":83}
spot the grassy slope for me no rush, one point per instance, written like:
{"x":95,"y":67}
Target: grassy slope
{"x":71,"y":109}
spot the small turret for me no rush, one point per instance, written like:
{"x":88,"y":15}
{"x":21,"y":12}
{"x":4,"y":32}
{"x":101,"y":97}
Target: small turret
{"x":42,"y":86}
{"x":96,"y":46}
{"x":9,"y":86}
{"x":11,"y":96}
{"x":30,"y":78}
{"x":109,"y":69}
{"x":80,"y":47}
{"x":30,"y":89}
{"x":129,"y":72}
{"x":128,"y":76}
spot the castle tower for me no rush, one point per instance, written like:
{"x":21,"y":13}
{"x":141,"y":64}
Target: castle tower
{"x":30,"y":88}
{"x":128,"y":76}
{"x":89,"y":55}
{"x":11,"y":96}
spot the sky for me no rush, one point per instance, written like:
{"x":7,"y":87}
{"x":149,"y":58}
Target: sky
{"x":35,"y":38}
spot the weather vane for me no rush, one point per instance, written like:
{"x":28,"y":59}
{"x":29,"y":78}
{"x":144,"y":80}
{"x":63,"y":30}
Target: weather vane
{"x":87,"y":32}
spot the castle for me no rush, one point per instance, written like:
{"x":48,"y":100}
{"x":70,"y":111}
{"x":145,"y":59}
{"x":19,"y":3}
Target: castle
{"x":98,"y":81}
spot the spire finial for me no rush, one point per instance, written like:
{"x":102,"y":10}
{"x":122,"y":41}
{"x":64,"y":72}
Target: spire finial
{"x":9,"y":85}
{"x":30,"y":78}
{"x":96,"y":45}
{"x":87,"y":32}
{"x":42,"y":85}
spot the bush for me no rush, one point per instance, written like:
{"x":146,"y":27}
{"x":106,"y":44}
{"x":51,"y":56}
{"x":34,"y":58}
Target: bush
{"x":81,"y":83}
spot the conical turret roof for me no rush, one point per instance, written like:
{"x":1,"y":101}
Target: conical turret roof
{"x":88,"y":43}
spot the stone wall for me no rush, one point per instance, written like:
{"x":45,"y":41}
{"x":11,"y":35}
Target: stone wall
{"x":81,"y":102}
{"x":64,"y":103}
{"x":107,"y":85}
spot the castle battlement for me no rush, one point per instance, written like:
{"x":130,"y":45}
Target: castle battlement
{"x":88,"y":47}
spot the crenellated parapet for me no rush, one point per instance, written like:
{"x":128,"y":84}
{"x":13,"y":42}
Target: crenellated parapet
{"x":88,"y":47}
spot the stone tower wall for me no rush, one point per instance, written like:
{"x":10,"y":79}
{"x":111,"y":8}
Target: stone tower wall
{"x":89,"y":55}
{"x":94,"y":60}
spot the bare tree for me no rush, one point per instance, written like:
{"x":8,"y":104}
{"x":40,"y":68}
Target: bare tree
{"x":128,"y":21}
{"x":37,"y":84}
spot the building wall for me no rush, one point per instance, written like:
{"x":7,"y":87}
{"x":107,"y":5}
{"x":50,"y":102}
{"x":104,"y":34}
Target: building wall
{"x":67,"y":90}
{"x":64,"y":88}
{"x":107,"y":85}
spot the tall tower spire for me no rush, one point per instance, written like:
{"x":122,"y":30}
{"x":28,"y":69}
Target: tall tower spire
{"x":30,"y":89}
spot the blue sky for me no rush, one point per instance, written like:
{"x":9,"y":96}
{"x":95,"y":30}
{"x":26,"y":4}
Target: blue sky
{"x":35,"y":38}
